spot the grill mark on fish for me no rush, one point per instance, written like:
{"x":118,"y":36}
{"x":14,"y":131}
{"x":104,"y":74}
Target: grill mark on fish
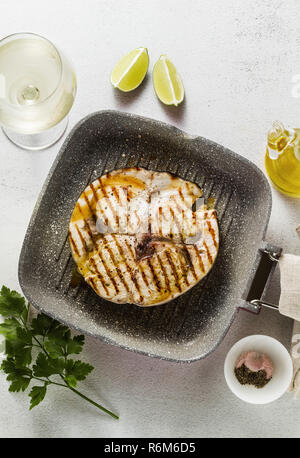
{"x":167,"y":282}
{"x":173,"y":267}
{"x":99,"y":275}
{"x":144,"y":275}
{"x":86,"y":220}
{"x":74,"y":244}
{"x":140,"y":267}
{"x":127,"y":211}
{"x":116,"y":194}
{"x":177,"y":223}
{"x":117,"y":197}
{"x":212,"y":233}
{"x":183,"y":268}
{"x":87,"y":226}
{"x":199,"y":257}
{"x":160,"y":220}
{"x":88,"y":203}
{"x":94,"y":193}
{"x":119,"y":272}
{"x":183,"y":215}
{"x":194,"y":224}
{"x":192,"y":268}
{"x":115,"y":211}
{"x":130,"y":249}
{"x":167,"y":219}
{"x":107,"y":270}
{"x":156,"y":280}
{"x":129,"y":270}
{"x":177,"y":205}
{"x":81,"y":237}
{"x":150,"y":216}
{"x":103,"y":190}
{"x":94,"y":284}
{"x":97,"y":201}
{"x":181,"y":195}
{"x":107,"y":246}
{"x":189,"y":260}
{"x":208,"y":252}
{"x":137,"y":286}
{"x":174,"y":230}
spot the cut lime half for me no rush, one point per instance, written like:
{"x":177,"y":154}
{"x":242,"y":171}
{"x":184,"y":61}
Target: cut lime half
{"x":130,"y":71}
{"x":167,"y":82}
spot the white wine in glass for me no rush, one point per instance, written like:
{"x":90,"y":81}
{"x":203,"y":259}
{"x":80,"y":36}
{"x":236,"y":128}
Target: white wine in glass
{"x":37,"y":90}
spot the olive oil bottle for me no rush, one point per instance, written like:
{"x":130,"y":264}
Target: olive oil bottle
{"x":282,"y":159}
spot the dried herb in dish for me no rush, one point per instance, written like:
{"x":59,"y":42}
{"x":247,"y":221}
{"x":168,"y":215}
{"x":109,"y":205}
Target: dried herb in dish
{"x":253,"y":368}
{"x":247,"y":377}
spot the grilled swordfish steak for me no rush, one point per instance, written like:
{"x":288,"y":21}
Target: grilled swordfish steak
{"x":136,"y":237}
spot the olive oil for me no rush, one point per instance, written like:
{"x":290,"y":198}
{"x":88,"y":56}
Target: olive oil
{"x":282,"y":159}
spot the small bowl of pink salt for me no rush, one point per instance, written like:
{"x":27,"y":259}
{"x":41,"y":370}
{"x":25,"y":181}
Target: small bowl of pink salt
{"x":258,"y":369}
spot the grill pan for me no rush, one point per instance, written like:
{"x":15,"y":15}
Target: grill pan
{"x":191,"y":326}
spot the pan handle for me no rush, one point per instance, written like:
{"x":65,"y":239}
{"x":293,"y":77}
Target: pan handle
{"x":268,"y":257}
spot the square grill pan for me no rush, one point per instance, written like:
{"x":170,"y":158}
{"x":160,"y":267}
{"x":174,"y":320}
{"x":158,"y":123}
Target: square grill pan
{"x":191,"y":326}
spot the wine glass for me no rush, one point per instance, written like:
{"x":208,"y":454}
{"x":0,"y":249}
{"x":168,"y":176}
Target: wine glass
{"x":37,"y":90}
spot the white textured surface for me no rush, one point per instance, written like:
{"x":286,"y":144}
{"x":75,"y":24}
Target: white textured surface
{"x":237,"y":60}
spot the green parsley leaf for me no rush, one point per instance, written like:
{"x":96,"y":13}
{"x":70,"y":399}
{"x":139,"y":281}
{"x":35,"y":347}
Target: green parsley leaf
{"x":8,"y":365}
{"x":54,"y":349}
{"x":18,"y":342}
{"x":24,"y":336}
{"x":62,"y":344}
{"x":71,"y":380}
{"x":46,"y":366}
{"x":75,"y":345}
{"x":25,"y":314}
{"x":20,"y":377}
{"x":61,"y":334}
{"x":12,"y":304}
{"x":9,"y":328}
{"x":41,"y":325}
{"x":37,"y":394}
{"x":19,"y":382}
{"x":16,"y":349}
{"x":77,"y":369}
{"x":23,"y":356}
{"x":20,"y":347}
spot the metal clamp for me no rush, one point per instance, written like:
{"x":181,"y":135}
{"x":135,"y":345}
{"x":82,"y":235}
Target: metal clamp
{"x":269,"y":257}
{"x":258,"y":303}
{"x":274,"y":257}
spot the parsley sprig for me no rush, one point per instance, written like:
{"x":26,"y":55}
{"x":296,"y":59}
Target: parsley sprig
{"x":54,"y":343}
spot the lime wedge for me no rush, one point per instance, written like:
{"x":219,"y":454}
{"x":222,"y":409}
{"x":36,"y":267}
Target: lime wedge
{"x":167,"y":82}
{"x":130,"y":71}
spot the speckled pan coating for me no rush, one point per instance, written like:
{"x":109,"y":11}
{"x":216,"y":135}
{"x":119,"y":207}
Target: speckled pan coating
{"x":191,"y":326}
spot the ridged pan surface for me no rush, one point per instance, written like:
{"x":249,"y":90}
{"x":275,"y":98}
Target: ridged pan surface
{"x":191,"y":326}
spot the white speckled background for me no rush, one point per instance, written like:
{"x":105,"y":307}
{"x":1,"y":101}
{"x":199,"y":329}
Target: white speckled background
{"x":237,"y":59}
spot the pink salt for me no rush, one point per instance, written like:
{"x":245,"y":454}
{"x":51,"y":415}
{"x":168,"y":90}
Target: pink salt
{"x":255,"y":362}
